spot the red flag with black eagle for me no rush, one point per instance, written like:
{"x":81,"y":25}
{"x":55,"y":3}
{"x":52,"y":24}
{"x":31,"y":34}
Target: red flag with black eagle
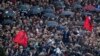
{"x":88,"y":25}
{"x":21,"y":38}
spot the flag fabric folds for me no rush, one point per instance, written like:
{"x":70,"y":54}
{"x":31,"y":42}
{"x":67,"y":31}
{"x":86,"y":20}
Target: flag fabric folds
{"x":21,"y":38}
{"x":88,"y":23}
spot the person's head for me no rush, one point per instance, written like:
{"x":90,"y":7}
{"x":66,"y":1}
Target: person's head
{"x":89,"y":54}
{"x":21,"y":48}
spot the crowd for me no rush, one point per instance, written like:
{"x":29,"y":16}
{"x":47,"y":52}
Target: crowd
{"x":54,"y":27}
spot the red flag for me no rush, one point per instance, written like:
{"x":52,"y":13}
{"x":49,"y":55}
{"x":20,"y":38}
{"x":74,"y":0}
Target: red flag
{"x":88,"y":23}
{"x":21,"y":38}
